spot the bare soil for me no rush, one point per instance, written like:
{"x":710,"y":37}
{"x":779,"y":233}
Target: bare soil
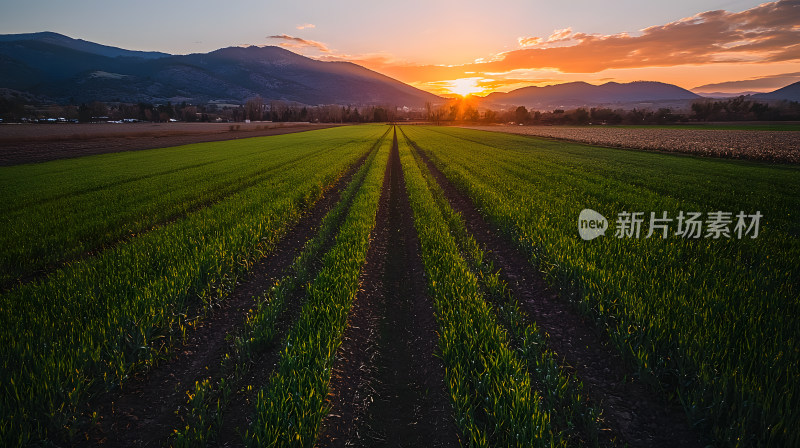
{"x":770,"y":146}
{"x":387,"y":387}
{"x":638,"y":415}
{"x":143,"y":412}
{"x":33,"y":143}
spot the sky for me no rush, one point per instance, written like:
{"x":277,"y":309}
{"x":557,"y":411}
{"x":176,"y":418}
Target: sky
{"x":466,"y":46}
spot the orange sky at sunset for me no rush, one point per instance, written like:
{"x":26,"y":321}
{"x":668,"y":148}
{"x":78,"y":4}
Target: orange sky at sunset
{"x":760,"y":45}
{"x":467,"y":46}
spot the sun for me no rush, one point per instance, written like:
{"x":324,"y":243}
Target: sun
{"x":465,"y":86}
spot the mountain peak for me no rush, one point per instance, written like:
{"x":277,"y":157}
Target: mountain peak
{"x":60,"y":40}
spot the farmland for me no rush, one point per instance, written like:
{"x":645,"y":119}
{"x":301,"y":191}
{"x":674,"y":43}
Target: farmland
{"x":779,"y":143}
{"x":415,"y":284}
{"x":42,"y":142}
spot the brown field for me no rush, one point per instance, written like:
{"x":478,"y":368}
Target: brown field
{"x":31,"y":143}
{"x":773,"y":146}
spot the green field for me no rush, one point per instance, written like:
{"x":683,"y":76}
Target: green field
{"x":108,"y":261}
{"x":711,"y":320}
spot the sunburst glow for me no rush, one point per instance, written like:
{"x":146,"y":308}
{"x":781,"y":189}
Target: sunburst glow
{"x":465,"y":86}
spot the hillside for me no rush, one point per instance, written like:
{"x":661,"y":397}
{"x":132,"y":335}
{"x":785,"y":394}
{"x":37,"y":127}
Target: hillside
{"x":68,"y":70}
{"x":789,"y":93}
{"x":578,"y":94}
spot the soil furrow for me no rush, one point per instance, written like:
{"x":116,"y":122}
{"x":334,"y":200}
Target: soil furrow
{"x":144,"y":412}
{"x":387,"y":387}
{"x":635,"y":413}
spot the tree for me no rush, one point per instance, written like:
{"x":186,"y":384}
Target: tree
{"x":379,"y":114}
{"x":84,"y":113}
{"x":254,"y":108}
{"x":580,"y":116}
{"x":471,"y":114}
{"x":522,"y":115}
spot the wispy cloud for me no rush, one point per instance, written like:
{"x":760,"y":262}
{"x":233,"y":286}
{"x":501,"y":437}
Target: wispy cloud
{"x":560,"y":35}
{"x":305,"y":25}
{"x":298,"y":42}
{"x":529,"y":41}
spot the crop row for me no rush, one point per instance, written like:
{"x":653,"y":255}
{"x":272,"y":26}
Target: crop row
{"x":87,"y":326}
{"x":290,"y":408}
{"x":711,"y":322}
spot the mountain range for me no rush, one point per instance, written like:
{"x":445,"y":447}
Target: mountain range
{"x":54,"y":67}
{"x":69,"y":70}
{"x":577,"y":94}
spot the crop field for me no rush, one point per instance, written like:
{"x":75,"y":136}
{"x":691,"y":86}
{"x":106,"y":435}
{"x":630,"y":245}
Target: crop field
{"x":777,"y":143}
{"x":382,"y":285}
{"x":44,"y":142}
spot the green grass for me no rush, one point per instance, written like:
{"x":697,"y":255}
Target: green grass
{"x":57,"y":211}
{"x":88,"y":325}
{"x":710,"y":322}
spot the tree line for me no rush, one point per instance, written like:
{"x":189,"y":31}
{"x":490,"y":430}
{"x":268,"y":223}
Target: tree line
{"x":17,"y":108}
{"x":733,"y":109}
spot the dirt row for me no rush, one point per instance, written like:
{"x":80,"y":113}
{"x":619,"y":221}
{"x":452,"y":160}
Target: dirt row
{"x":387,"y":387}
{"x":771,"y":146}
{"x":144,"y":413}
{"x":34,"y":143}
{"x":636,"y":414}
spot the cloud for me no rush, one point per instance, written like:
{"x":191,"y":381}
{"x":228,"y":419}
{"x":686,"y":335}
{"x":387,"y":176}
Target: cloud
{"x":297,"y":42}
{"x":560,"y":35}
{"x":768,"y":32}
{"x":763,"y":34}
{"x":529,"y":41}
{"x":305,"y":25}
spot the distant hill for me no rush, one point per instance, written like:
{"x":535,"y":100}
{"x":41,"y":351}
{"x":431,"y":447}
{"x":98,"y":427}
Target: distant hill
{"x":788,"y":93}
{"x":80,"y":45}
{"x":578,"y":94}
{"x":725,"y":94}
{"x":69,"y":70}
